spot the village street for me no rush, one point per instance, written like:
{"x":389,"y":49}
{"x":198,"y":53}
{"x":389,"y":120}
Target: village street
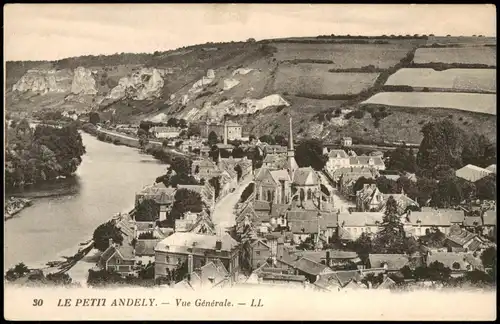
{"x":223,"y":216}
{"x":339,"y":202}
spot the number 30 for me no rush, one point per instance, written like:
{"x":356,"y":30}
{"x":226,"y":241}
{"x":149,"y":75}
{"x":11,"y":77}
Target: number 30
{"x":37,"y":302}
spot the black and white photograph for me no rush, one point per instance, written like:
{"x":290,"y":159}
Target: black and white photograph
{"x":250,"y":161}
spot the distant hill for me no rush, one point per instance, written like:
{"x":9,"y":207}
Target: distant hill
{"x":328,"y":84}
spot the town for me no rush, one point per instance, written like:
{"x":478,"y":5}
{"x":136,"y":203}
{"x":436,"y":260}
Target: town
{"x":238,"y":211}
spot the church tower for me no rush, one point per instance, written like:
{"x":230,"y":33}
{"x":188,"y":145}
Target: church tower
{"x":291,"y":164}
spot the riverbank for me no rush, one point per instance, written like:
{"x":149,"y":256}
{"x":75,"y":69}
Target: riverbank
{"x":14,"y":205}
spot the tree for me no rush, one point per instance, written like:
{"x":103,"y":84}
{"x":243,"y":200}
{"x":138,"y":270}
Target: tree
{"x":181,"y":165}
{"x":363,"y":246}
{"x":146,"y":125}
{"x":59,"y":279}
{"x":215,"y":182}
{"x":143,"y":141}
{"x":94,"y":118}
{"x":185,"y":200}
{"x":436,"y":271}
{"x":193,"y":130}
{"x":449,"y":193}
{"x":147,"y":272}
{"x":425,"y":188}
{"x":489,"y":257}
{"x":402,"y":159}
{"x":239,"y":171}
{"x":442,"y":144}
{"x":359,"y":184}
{"x":212,"y":138}
{"x":146,"y":236}
{"x":142,"y":133}
{"x":310,"y":153}
{"x":280,"y":140}
{"x":103,"y":233}
{"x":486,"y":188}
{"x":238,"y":153}
{"x":391,"y":238}
{"x":247,"y":192}
{"x":386,"y":185}
{"x":16,"y":272}
{"x":267,"y":139}
{"x":147,"y":211}
{"x":433,"y":239}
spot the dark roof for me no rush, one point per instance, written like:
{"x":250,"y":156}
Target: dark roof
{"x":393,"y":261}
{"x":306,"y":221}
{"x":310,"y":267}
{"x":145,"y":247}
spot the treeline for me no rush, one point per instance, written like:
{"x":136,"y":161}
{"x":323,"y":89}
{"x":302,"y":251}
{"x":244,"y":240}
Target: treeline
{"x":408,"y":36}
{"x":364,"y":69}
{"x":438,"y":66}
{"x":37,"y":277}
{"x":45,"y":153}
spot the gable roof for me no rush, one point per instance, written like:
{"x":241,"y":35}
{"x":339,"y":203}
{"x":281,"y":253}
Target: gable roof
{"x":279,"y":175}
{"x":436,"y":217}
{"x":492,"y":168}
{"x":310,"y":267}
{"x":305,"y":176}
{"x":145,"y":247}
{"x":360,"y":219}
{"x":393,"y":261}
{"x":388,"y":283}
{"x":338,"y":154}
{"x":183,"y":240}
{"x":472,"y":173}
{"x":365,"y":160}
{"x":450,"y":258}
{"x":306,"y":221}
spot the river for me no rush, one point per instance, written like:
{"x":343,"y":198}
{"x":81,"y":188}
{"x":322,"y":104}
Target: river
{"x":105,"y":184}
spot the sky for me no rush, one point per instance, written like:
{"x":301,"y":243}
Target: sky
{"x":55,"y":31}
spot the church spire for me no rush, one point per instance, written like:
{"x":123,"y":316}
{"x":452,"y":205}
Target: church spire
{"x":292,"y":164}
{"x":290,"y":137}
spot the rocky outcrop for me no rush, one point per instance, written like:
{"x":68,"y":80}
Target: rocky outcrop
{"x":44,"y":81}
{"x":253,"y":105}
{"x":83,"y":82}
{"x":230,"y":83}
{"x":144,"y":84}
{"x":200,"y":84}
{"x":242,"y":71}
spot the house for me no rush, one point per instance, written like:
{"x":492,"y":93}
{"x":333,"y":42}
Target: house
{"x":347,"y":180}
{"x":175,"y":250}
{"x":461,"y":240}
{"x":331,"y":258}
{"x":145,"y":250}
{"x":387,"y":283}
{"x":231,"y":164}
{"x":352,"y":225}
{"x":472,"y":173}
{"x":275,"y":149}
{"x":211,"y":275}
{"x":489,"y":223}
{"x":119,"y":258}
{"x":388,"y":262}
{"x":275,"y":161}
{"x":370,"y":198}
{"x":371,"y":162}
{"x":428,"y":218}
{"x":205,"y":151}
{"x":260,"y":253}
{"x":313,"y":271}
{"x":190,"y":145}
{"x":165,"y":132}
{"x":206,"y":191}
{"x":275,"y":275}
{"x":195,"y":223}
{"x":337,"y":159}
{"x":205,"y":169}
{"x":162,"y":195}
{"x":307,"y":223}
{"x":346,"y":141}
{"x":458,"y":262}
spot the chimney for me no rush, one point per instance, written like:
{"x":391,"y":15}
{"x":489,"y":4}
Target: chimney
{"x":327,"y":258}
{"x":190,"y":264}
{"x":110,"y":241}
{"x":218,"y":245}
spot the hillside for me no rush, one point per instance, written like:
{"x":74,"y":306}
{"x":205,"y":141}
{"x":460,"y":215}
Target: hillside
{"x":370,"y":88}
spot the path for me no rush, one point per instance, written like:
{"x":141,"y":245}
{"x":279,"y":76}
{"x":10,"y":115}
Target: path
{"x":134,"y":138}
{"x":339,"y":202}
{"x":223,"y":216}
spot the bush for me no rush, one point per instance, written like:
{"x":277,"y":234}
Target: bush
{"x":358,"y":114}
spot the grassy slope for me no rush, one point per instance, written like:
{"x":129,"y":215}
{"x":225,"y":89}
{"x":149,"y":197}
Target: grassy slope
{"x":191,"y":63}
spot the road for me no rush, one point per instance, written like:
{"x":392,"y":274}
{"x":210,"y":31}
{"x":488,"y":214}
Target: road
{"x":133,"y":138}
{"x":223,"y":216}
{"x":339,"y":202}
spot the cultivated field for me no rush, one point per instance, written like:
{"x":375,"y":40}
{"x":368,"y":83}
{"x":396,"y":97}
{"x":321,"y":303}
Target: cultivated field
{"x":316,"y":80}
{"x":457,"y":55}
{"x":474,"y":80}
{"x":344,"y":56}
{"x":465,"y":40}
{"x":474,"y":102}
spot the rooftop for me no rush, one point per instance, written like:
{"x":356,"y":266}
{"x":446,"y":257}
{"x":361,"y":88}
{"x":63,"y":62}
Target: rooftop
{"x":200,"y":241}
